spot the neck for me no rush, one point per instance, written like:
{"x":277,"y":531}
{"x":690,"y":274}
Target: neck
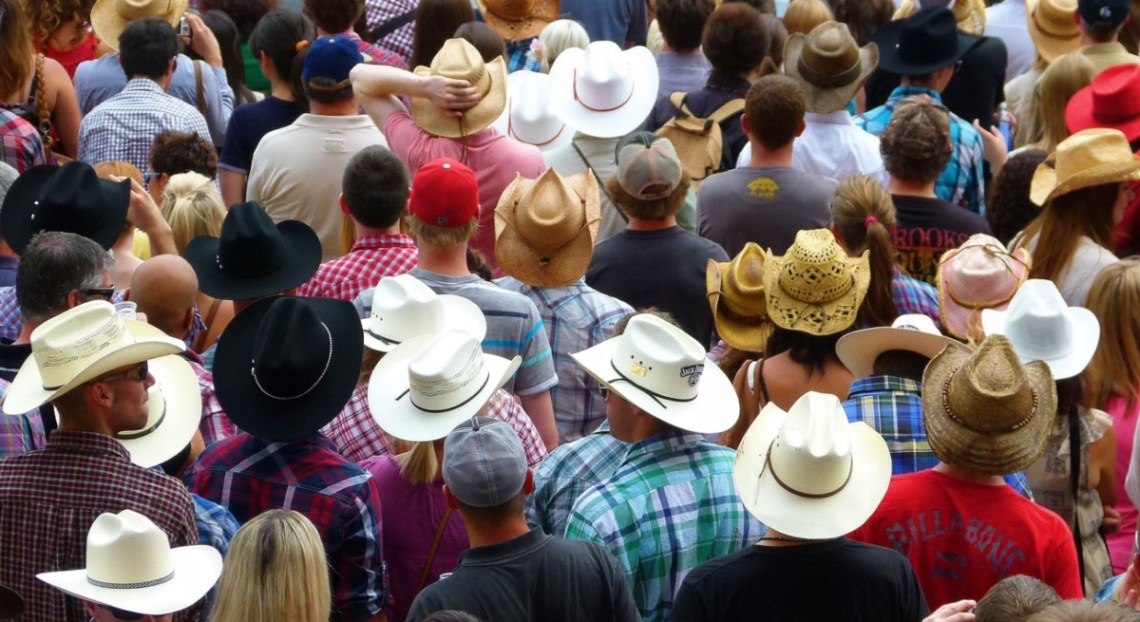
{"x":777,"y":539}
{"x":25,"y":335}
{"x":280,"y":89}
{"x":498,"y":533}
{"x":909,"y":188}
{"x":763,"y":157}
{"x":665,"y":47}
{"x":447,"y":260}
{"x":1087,"y":40}
{"x":638,"y":224}
{"x":362,"y":231}
{"x":969,"y":476}
{"x":907,"y":81}
{"x":346,"y":108}
{"x":82,"y":421}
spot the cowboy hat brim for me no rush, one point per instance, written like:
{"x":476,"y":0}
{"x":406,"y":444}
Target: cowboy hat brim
{"x":108,"y":24}
{"x":524,"y":83}
{"x":459,"y":313}
{"x":714,"y":410}
{"x":1045,"y":187}
{"x":824,"y":100}
{"x":389,"y":399}
{"x":197,"y":569}
{"x":1080,"y":115}
{"x":274,"y":419}
{"x":175,"y":401}
{"x":302,"y":261}
{"x":475,"y":119}
{"x":744,"y":334}
{"x":858,"y":350}
{"x":822,"y":318}
{"x":541,"y":14}
{"x":1049,"y":46}
{"x":1086,"y":336}
{"x":802,"y":517}
{"x":604,"y":123}
{"x":17,"y":217}
{"x":887,"y":38}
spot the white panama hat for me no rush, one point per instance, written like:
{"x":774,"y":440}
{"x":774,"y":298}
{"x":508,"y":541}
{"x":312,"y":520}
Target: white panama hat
{"x":913,"y":332}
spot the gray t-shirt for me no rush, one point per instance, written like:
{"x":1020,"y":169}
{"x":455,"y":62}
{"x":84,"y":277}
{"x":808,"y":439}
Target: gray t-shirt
{"x":763,"y":205}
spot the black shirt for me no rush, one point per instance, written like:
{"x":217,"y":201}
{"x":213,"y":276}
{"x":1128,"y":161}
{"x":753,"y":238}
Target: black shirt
{"x":12,"y":357}
{"x":926,"y":228}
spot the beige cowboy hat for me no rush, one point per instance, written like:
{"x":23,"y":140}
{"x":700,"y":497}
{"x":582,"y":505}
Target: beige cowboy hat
{"x":912,"y":332}
{"x":403,"y":307}
{"x":816,"y":288}
{"x":736,"y":296}
{"x":986,"y":411}
{"x":809,"y":473}
{"x":518,"y":19}
{"x":970,"y":14}
{"x":109,"y":18}
{"x":980,"y":274}
{"x":1052,"y":28}
{"x":459,"y":60}
{"x":1088,"y":158}
{"x":829,"y":65}
{"x":545,"y":228}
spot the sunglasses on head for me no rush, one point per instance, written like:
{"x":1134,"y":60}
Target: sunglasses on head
{"x":122,"y":615}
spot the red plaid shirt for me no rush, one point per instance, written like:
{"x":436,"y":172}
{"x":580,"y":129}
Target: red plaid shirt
{"x":372,"y":258}
{"x":215,"y":425}
{"x":51,"y":497}
{"x":23,"y":147}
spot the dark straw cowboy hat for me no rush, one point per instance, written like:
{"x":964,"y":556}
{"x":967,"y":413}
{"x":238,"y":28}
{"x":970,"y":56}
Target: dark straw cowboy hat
{"x":253,"y":257}
{"x":923,"y":43}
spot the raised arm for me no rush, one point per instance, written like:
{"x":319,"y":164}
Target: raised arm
{"x":378,"y":88}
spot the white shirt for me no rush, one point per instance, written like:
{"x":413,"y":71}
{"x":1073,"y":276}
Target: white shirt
{"x":1008,"y":21}
{"x":833,"y":146}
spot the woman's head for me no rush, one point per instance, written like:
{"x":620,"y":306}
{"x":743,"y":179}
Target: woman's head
{"x":1059,"y":82}
{"x":804,"y":15}
{"x":15,"y":48}
{"x":229,"y":41}
{"x":192,"y":206}
{"x":1067,"y":219}
{"x":276,"y":569}
{"x":1009,"y":208}
{"x":1115,"y":300}
{"x":436,"y":22}
{"x":863,"y":17}
{"x":485,"y":39}
{"x":559,"y":36}
{"x":864,"y":216}
{"x":279,"y":36}
{"x":46,"y":16}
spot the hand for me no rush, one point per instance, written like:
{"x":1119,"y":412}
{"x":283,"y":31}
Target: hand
{"x":452,"y":96}
{"x":1128,"y":592}
{"x":953,"y":612}
{"x":995,"y":147}
{"x":142,"y":211}
{"x":203,"y":41}
{"x":1111,"y":522}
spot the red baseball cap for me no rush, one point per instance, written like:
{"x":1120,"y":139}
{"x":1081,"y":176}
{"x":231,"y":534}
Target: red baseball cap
{"x":1111,"y":101}
{"x":445,"y":193}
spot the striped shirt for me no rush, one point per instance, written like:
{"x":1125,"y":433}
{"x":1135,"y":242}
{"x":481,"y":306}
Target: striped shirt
{"x":570,"y":470}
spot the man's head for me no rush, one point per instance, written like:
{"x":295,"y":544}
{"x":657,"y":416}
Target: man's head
{"x":485,"y":472}
{"x":735,"y":39}
{"x":1015,"y":599}
{"x":650,"y":183}
{"x":375,"y":187}
{"x":916,"y":144}
{"x":444,"y":204}
{"x":328,"y":62}
{"x":774,"y":111}
{"x":148,"y":48}
{"x":59,"y":271}
{"x":1101,"y":20}
{"x":165,"y":288}
{"x":682,"y":22}
{"x":334,"y":16}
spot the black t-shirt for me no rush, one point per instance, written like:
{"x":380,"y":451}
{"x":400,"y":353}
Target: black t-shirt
{"x":663,"y":269}
{"x":926,"y":228}
{"x":829,"y":580}
{"x":12,"y":357}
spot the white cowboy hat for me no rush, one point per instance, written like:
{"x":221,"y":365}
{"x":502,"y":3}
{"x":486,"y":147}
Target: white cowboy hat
{"x":1043,"y":327}
{"x":79,"y":345}
{"x":527,"y":116}
{"x":429,"y":384}
{"x":809,"y":473}
{"x":130,"y":566}
{"x":403,"y":307}
{"x":603,"y":91}
{"x":913,"y":332}
{"x":663,"y":371}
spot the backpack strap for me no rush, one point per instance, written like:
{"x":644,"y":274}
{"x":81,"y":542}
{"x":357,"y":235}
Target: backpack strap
{"x":601,"y":183}
{"x":199,"y":90}
{"x":678,"y":101}
{"x":1075,"y":485}
{"x":392,"y":25}
{"x":728,"y":110}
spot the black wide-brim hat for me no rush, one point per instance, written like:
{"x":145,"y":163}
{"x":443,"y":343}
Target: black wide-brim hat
{"x":286,"y":366}
{"x":68,"y":198}
{"x":253,"y":257}
{"x":923,"y":43}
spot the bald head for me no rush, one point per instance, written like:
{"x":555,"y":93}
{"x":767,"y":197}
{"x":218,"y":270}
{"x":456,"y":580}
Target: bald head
{"x":165,"y":288}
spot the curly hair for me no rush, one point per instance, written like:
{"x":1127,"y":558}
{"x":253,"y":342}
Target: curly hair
{"x":46,"y":16}
{"x":735,"y":39}
{"x":1009,"y":208}
{"x":863,"y":17}
{"x":334,"y":16}
{"x":916,"y":144}
{"x":174,"y":152}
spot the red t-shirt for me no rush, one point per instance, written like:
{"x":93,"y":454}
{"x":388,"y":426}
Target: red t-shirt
{"x":962,"y":538}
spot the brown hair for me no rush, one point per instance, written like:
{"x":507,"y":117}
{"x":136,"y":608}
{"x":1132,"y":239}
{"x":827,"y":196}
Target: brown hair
{"x":778,"y":39}
{"x":436,"y":21}
{"x":118,"y":168}
{"x":16,"y":49}
{"x":804,"y":15}
{"x":1015,"y":599}
{"x":46,"y":16}
{"x":485,"y":39}
{"x":1058,"y":83}
{"x":441,"y":236}
{"x":735,"y":40}
{"x":1085,"y":611}
{"x":1061,"y":225}
{"x":174,"y":152}
{"x":682,"y":22}
{"x":858,"y":200}
{"x":1115,"y":367}
{"x":656,"y":209}
{"x":775,"y":108}
{"x":334,"y":16}
{"x":916,"y":144}
{"x":1009,"y":208}
{"x":863,"y":17}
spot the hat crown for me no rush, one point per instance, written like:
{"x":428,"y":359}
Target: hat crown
{"x":449,"y":372}
{"x":459,"y":60}
{"x":486,"y":463}
{"x":604,"y":80}
{"x":550,"y":214}
{"x":291,"y":351}
{"x":742,"y":284}
{"x":1055,"y":17}
{"x":816,"y":269}
{"x":649,"y":172}
{"x":831,"y":56}
{"x":402,"y":306}
{"x":250,"y":245}
{"x":127,"y":549}
{"x":1090,"y":149}
{"x":990,"y":393}
{"x":929,"y":36}
{"x":530,"y":119}
{"x":1038,"y":323}
{"x":72,"y":200}
{"x":1116,"y":94}
{"x":983,"y":273}
{"x":62,"y":344}
{"x":659,"y":358}
{"x":916,"y":322}
{"x":445,"y":193}
{"x":811,"y":455}
{"x":331,"y":57}
{"x":136,"y":9}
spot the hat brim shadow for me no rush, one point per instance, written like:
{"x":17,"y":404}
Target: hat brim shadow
{"x":826,"y":100}
{"x":475,"y":119}
{"x":302,"y":261}
{"x":1086,"y":336}
{"x":858,"y":350}
{"x":609,"y":123}
{"x":459,"y":314}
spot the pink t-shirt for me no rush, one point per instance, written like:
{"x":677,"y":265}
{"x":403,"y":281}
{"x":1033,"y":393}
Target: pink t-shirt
{"x":1124,"y":416}
{"x":495,"y":158}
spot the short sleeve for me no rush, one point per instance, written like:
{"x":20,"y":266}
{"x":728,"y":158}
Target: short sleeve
{"x":536,"y":373}
{"x":237,"y":153}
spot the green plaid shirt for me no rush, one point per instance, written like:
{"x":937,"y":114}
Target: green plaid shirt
{"x":670,"y":507}
{"x":570,"y":470}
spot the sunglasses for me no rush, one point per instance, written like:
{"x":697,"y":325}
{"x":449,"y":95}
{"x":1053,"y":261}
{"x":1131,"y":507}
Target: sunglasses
{"x":122,"y":615}
{"x":137,"y":373}
{"x":103,"y":292}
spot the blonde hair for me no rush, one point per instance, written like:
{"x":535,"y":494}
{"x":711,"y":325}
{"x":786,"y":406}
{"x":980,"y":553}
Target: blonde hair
{"x":559,"y":36}
{"x":419,"y":465}
{"x":1058,"y":83}
{"x":803,"y":16}
{"x":275,"y":570}
{"x":1115,"y":367}
{"x":118,"y":168}
{"x":193,"y":207}
{"x":432,"y":235}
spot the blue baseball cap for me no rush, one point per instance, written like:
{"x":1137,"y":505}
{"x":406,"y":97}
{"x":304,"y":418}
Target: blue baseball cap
{"x":1113,"y":11}
{"x":332,"y":58}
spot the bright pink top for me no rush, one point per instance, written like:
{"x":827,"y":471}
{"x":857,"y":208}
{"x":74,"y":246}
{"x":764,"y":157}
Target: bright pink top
{"x":1124,"y":416}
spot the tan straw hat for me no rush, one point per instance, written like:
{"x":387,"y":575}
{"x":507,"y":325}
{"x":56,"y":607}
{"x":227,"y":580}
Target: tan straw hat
{"x":985,"y":411}
{"x":816,"y":288}
{"x":518,"y":19}
{"x":829,"y":65}
{"x":1052,"y":28}
{"x":736,"y":295}
{"x":109,"y":18}
{"x":1088,"y":158}
{"x":970,"y":14}
{"x":459,"y":60}
{"x":545,"y":228}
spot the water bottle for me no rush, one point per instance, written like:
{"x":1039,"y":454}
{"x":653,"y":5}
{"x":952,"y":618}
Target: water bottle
{"x":1004,"y":125}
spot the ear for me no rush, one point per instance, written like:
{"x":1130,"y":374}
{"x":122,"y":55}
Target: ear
{"x":803,"y":126}
{"x":74,"y":299}
{"x":188,"y":320}
{"x":343,"y":204}
{"x":449,"y":498}
{"x":528,"y":484}
{"x":91,"y":608}
{"x":746,"y":125}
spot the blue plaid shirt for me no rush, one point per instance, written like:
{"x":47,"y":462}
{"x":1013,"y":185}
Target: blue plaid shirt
{"x":519,"y":56}
{"x":569,"y":471}
{"x":961,"y":182}
{"x":914,"y":296}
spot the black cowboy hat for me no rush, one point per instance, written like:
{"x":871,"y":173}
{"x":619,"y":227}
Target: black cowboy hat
{"x":68,"y":198}
{"x":286,"y":366}
{"x":923,"y":43}
{"x":11,"y":605}
{"x":253,"y":257}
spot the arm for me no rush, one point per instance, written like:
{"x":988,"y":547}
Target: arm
{"x":541,"y":411}
{"x":994,"y":147}
{"x":961,"y":611}
{"x":218,"y":95}
{"x":64,"y":106}
{"x":378,"y":87}
{"x":233,"y":186}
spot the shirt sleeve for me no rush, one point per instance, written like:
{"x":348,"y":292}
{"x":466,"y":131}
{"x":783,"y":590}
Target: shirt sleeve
{"x":689,"y":604}
{"x":536,"y":373}
{"x":219,"y":101}
{"x":363,"y":587}
{"x":975,"y":182}
{"x":236,"y":154}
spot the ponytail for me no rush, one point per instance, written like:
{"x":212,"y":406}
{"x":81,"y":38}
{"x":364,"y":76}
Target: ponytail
{"x":284,"y":35}
{"x":864,"y":215}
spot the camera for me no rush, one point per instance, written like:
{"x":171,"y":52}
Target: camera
{"x":184,"y":27}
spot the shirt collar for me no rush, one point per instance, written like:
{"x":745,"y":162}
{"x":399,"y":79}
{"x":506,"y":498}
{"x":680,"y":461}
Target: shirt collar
{"x":723,"y":81}
{"x":884,"y":384}
{"x":382,"y":240}
{"x":902,"y":92}
{"x":143,"y":84}
{"x":666,"y":442}
{"x":86,"y":442}
{"x":511,"y":548}
{"x":1114,"y":47}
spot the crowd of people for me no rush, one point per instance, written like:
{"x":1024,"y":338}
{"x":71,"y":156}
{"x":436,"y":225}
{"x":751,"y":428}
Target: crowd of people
{"x":495,"y":310}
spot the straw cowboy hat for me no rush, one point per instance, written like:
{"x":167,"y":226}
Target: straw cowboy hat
{"x":969,"y":14}
{"x":527,"y":116}
{"x":602,"y":90}
{"x":829,"y":65}
{"x":518,"y":19}
{"x":736,"y":295}
{"x":980,"y":274}
{"x":922,"y":43}
{"x":809,"y":473}
{"x":1089,"y":158}
{"x":912,"y":332}
{"x":545,"y":228}
{"x":429,"y":384}
{"x":658,"y":368}
{"x":130,"y":566}
{"x":459,"y":60}
{"x":1112,"y":101}
{"x":1052,"y":28}
{"x":815,"y":288}
{"x":403,"y":307}
{"x":1042,"y":327}
{"x":109,"y":18}
{"x":986,"y":411}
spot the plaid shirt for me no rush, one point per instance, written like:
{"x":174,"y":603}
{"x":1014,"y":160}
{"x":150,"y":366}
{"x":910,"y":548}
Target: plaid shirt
{"x":215,"y":424}
{"x":519,"y":56}
{"x":669,"y":508}
{"x":576,"y":317}
{"x":20,"y":434}
{"x":379,"y":11}
{"x":249,"y":475}
{"x":123,"y":127}
{"x":358,"y":436}
{"x":372,"y":258}
{"x":914,"y":296}
{"x":23,"y":147}
{"x":378,"y":55}
{"x":50,"y":498}
{"x":961,"y":182}
{"x":570,"y":470}
{"x":216,"y":526}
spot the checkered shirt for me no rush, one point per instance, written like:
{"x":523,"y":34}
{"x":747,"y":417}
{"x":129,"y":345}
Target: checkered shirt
{"x":358,"y":436}
{"x":249,"y":475}
{"x":379,"y":55}
{"x":216,"y":526}
{"x":19,"y":434}
{"x":123,"y":127}
{"x":23,"y":147}
{"x":669,"y":508}
{"x":372,"y":258}
{"x":914,"y":296}
{"x":377,"y":12}
{"x":519,"y":56}
{"x":576,"y":317}
{"x":570,"y":470}
{"x":961,"y":182}
{"x":50,"y":498}
{"x":215,"y":424}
